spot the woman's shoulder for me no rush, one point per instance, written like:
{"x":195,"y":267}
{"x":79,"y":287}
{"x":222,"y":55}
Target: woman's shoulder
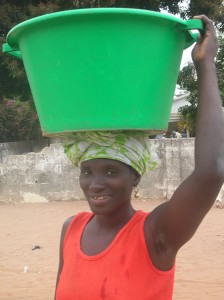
{"x":65,"y":226}
{"x":78,"y":217}
{"x":68,"y":221}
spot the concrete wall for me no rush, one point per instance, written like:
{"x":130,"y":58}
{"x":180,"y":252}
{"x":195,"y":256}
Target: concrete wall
{"x":40,"y":171}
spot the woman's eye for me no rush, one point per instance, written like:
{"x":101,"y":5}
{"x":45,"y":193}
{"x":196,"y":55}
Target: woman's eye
{"x":85,"y":172}
{"x":111,"y":172}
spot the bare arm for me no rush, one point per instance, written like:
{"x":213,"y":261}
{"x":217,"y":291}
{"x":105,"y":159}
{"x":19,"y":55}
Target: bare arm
{"x":60,"y":266}
{"x":175,"y":222}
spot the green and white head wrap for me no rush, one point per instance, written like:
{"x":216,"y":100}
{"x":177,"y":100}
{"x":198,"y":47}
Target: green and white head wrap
{"x":130,"y":147}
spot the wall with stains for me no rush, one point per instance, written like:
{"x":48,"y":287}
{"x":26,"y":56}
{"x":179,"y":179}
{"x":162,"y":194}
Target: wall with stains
{"x":39,"y":171}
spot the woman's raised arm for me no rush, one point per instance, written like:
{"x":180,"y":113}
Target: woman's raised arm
{"x":175,"y":222}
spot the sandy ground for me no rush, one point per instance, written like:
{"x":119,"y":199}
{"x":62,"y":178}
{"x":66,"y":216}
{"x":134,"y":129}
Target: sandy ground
{"x":30,"y":274}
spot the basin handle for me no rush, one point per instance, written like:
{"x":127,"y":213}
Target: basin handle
{"x":10,"y":51}
{"x":191,"y":37}
{"x":195,"y":24}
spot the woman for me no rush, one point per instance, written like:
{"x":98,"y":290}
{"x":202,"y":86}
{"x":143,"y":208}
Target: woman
{"x":116,"y":252}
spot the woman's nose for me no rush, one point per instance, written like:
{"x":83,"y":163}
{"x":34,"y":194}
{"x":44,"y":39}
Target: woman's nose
{"x":97,"y":183}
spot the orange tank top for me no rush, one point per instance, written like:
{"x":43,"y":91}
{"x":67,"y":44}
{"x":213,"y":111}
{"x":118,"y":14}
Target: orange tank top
{"x":123,"y":271}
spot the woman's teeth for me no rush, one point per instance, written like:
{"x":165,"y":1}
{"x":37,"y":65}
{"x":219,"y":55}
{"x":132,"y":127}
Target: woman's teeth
{"x":100,"y":197}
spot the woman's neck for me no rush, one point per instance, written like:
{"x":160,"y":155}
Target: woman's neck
{"x":115,"y":219}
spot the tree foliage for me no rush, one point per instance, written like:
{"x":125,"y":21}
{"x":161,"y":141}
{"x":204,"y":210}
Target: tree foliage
{"x":188,"y":80}
{"x":18,"y":121}
{"x":213,"y":9}
{"x":13,"y":80}
{"x":220,"y":67}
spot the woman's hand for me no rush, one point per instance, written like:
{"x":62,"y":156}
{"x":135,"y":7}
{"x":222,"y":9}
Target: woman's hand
{"x":207,"y":45}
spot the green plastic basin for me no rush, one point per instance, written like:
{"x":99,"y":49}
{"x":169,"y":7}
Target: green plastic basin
{"x":102,"y":69}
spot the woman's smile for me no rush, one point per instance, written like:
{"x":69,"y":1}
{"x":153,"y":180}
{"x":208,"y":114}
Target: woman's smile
{"x":99,"y":200}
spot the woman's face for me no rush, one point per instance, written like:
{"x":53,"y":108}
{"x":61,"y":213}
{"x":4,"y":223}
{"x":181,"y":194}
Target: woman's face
{"x":107,"y":184}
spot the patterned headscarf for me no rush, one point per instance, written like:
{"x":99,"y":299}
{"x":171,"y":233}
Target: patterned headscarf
{"x":130,"y":147}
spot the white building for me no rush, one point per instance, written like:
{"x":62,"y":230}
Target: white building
{"x":179,"y":100}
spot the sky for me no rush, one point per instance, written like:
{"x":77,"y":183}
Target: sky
{"x":186,"y":56}
{"x":187,"y":53}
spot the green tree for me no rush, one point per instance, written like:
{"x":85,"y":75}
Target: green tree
{"x":13,"y":81}
{"x":188,"y":80}
{"x":213,"y":9}
{"x":18,"y":121}
{"x":220,"y":67}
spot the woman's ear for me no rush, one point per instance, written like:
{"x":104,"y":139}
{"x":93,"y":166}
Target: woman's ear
{"x":137,"y":176}
{"x":137,"y":180}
